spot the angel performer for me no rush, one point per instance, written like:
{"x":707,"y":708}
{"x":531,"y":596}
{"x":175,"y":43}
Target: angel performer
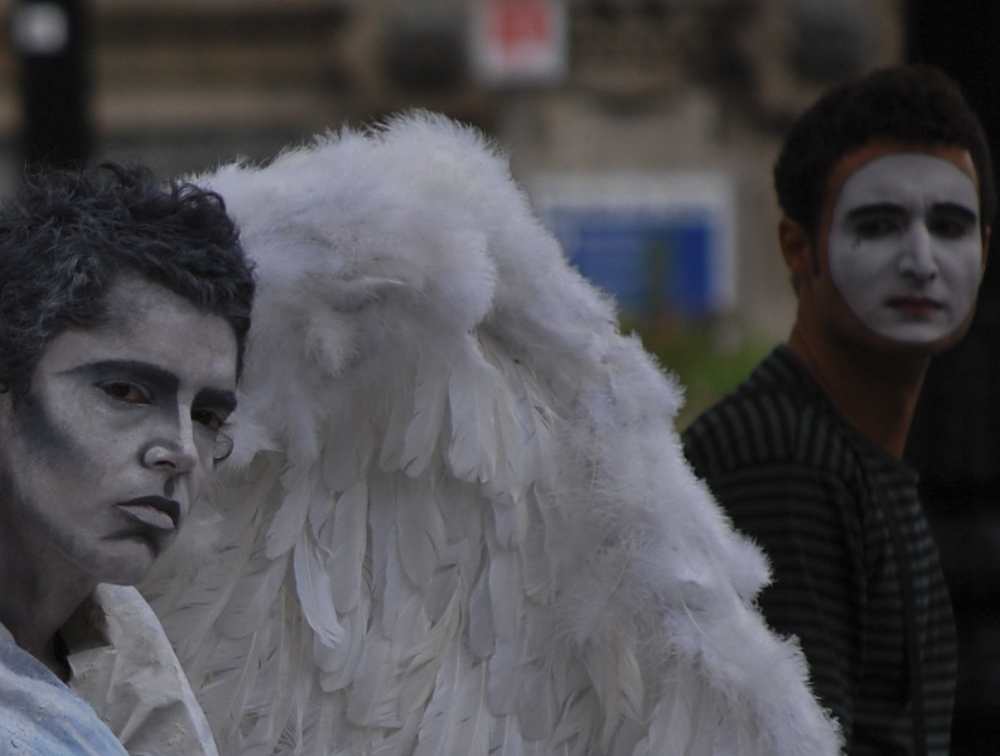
{"x":124,"y":308}
{"x":457,"y":519}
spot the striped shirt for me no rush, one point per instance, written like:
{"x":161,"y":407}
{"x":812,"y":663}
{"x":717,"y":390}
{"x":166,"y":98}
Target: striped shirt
{"x":855,"y":570}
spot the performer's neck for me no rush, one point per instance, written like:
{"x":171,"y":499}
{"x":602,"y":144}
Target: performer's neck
{"x":34,"y":604}
{"x":876,"y":392}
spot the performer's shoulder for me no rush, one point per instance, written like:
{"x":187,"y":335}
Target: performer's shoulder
{"x":777,"y":416}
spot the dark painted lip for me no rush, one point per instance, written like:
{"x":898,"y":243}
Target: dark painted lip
{"x":169,"y":507}
{"x":916,"y":302}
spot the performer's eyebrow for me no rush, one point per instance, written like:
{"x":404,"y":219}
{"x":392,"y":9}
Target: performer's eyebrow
{"x":220,"y":399}
{"x":888,"y":208}
{"x":878,"y":208}
{"x":956,"y":209}
{"x":152,"y":375}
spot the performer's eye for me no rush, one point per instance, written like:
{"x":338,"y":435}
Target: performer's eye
{"x":951,"y":224}
{"x":876,"y":227}
{"x":125,"y":391}
{"x":209,"y":419}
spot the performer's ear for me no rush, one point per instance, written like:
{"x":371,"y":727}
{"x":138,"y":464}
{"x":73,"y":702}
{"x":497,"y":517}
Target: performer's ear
{"x":796,"y":247}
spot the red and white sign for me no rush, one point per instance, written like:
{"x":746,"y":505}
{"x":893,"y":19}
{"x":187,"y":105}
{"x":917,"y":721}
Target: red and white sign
{"x":519,"y":41}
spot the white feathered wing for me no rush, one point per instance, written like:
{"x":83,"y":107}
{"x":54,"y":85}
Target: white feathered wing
{"x":458,"y":519}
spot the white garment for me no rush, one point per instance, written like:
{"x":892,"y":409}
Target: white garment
{"x":124,"y":667}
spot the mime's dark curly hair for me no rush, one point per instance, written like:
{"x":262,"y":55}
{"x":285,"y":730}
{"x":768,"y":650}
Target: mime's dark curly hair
{"x":66,"y":237}
{"x":908,"y":103}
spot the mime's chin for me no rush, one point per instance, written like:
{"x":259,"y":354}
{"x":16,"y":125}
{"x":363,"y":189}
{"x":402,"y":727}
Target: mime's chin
{"x":129,"y":559}
{"x":923,"y":338}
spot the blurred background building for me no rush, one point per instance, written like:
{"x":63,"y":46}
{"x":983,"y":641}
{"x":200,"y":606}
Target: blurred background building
{"x":578,"y":88}
{"x":645,"y":131}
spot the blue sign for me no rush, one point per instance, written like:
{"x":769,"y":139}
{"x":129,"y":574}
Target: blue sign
{"x":647,"y":261}
{"x":656,"y":243}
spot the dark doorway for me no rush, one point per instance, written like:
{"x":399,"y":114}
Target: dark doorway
{"x":50,"y":39}
{"x":955,"y":442}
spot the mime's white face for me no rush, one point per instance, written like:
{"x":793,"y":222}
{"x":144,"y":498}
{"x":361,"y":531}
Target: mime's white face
{"x":101,"y":462}
{"x":905,"y":246}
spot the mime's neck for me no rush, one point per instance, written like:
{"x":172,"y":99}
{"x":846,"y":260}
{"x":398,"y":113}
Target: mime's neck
{"x":39,"y":595}
{"x":876,"y":393}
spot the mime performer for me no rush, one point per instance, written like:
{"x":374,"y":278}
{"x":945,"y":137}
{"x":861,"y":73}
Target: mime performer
{"x":124,"y":307}
{"x":887,"y":190}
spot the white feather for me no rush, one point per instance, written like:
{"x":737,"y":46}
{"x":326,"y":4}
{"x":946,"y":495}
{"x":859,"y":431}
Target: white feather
{"x":346,"y":536}
{"x":314,"y":587}
{"x":419,"y":529}
{"x":290,"y":519}
{"x":481,"y":634}
{"x":453,"y":721}
{"x":370,"y":700}
{"x":475,"y":444}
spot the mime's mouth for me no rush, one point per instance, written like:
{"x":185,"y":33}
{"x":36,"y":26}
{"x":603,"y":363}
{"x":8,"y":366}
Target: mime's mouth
{"x":155,"y":511}
{"x":915,"y":304}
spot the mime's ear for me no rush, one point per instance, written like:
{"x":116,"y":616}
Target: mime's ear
{"x":796,"y":248}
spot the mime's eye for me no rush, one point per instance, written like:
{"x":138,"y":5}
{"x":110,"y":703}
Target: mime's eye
{"x":124,"y":391}
{"x":876,"y":227}
{"x":208,"y":419}
{"x":950,"y":228}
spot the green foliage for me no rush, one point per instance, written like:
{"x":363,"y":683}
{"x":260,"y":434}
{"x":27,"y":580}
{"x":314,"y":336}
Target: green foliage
{"x":709,"y":358}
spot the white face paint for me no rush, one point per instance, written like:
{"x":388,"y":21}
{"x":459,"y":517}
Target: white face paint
{"x":102,"y":460}
{"x":905,"y":247}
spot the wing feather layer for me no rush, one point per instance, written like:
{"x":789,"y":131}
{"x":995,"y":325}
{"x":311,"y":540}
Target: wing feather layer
{"x":458,"y":518}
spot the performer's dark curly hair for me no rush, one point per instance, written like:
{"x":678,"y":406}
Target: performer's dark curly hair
{"x":67,"y":236}
{"x":906,"y":103}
